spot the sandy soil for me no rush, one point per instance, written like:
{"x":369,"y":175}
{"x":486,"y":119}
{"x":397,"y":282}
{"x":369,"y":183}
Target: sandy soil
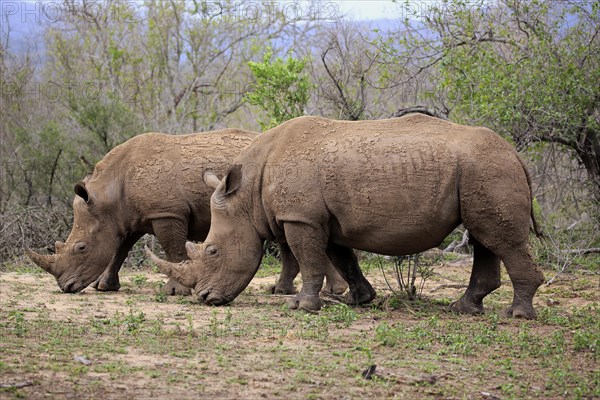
{"x":140,"y":345}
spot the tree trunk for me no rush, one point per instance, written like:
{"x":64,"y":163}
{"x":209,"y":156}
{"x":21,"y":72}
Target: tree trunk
{"x":588,"y":151}
{"x":51,"y":181}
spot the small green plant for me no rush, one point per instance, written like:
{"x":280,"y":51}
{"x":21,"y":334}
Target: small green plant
{"x":314,"y":326}
{"x":587,"y":340}
{"x":387,"y":335}
{"x":139,"y":280}
{"x":160,"y":296}
{"x":134,"y":321}
{"x":340,"y":314}
{"x":213,"y":323}
{"x":19,"y":326}
{"x":190,"y":325}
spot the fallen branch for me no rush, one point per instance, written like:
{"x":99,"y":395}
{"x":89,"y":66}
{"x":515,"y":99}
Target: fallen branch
{"x":450,"y":286}
{"x":393,"y":376}
{"x":591,"y":250}
{"x":17,"y":385}
{"x":583,"y":271}
{"x":454,"y":246}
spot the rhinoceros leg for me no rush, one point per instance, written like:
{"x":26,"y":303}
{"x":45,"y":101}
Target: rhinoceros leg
{"x":334,"y":283}
{"x":109,"y":280}
{"x":289,"y":271}
{"x":172,"y":235}
{"x":525,"y":277}
{"x":501,"y":222}
{"x":346,"y":263}
{"x":309,"y":246}
{"x":485,"y":278}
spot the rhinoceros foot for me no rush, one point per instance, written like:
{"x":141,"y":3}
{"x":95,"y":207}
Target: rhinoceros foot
{"x":464,"y":306}
{"x":281,"y":289}
{"x":335,"y":287}
{"x":174,"y":288}
{"x":107,"y":283}
{"x":305,"y":302}
{"x":361,"y":295}
{"x":520,"y":311}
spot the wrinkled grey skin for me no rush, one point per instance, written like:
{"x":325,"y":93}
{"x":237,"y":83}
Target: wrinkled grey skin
{"x":149,"y":184}
{"x":394,"y":187}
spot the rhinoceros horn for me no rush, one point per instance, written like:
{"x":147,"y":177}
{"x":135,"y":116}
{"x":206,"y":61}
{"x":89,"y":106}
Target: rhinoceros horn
{"x":58,"y":245}
{"x":178,"y":271}
{"x":211,"y":179}
{"x":45,"y":262}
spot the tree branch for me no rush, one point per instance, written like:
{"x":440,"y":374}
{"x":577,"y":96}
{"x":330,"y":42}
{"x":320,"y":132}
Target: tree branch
{"x":52,"y":173}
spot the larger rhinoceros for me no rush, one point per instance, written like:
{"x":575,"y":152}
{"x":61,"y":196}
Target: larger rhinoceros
{"x":395,"y":187}
{"x":149,"y":184}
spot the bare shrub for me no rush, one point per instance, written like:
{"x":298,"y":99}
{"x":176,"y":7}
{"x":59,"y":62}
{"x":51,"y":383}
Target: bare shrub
{"x":406,"y":270}
{"x":37,"y":227}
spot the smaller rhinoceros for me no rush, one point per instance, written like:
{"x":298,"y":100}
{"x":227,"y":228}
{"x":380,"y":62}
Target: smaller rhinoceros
{"x":394,"y":187}
{"x":150,"y":184}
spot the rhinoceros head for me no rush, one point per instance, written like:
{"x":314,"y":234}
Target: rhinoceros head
{"x":221,"y":267}
{"x":91,"y":245}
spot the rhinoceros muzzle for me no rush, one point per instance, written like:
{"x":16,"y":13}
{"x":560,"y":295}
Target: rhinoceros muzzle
{"x":72,"y":286}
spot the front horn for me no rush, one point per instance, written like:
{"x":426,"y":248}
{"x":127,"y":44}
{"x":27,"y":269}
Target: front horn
{"x":181,"y":272}
{"x":45,"y":262}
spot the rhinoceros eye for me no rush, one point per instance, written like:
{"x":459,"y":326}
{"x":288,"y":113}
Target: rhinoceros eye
{"x":80,"y":247}
{"x":211,"y":250}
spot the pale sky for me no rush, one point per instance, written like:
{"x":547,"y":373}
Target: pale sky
{"x":355,"y":9}
{"x":367,"y":9}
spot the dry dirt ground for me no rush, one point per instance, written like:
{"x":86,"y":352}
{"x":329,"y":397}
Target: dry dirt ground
{"x":137,"y":343}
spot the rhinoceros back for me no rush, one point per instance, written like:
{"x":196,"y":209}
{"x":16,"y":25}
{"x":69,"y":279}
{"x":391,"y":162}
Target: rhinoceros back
{"x":156,"y":174}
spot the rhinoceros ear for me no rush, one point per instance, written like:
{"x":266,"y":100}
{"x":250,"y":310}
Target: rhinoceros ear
{"x":233,"y":180}
{"x":81,"y":191}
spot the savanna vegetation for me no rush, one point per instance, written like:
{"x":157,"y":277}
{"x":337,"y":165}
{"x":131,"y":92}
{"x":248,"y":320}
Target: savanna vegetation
{"x":89,"y":75}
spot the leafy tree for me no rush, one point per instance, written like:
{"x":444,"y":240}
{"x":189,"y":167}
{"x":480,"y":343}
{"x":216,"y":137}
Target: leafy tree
{"x":43,"y":171}
{"x":529,"y":69}
{"x":179,"y":66}
{"x":281,"y":89}
{"x":109,"y":120}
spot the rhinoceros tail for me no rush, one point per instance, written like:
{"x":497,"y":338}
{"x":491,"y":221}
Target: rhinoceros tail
{"x":536,"y":227}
